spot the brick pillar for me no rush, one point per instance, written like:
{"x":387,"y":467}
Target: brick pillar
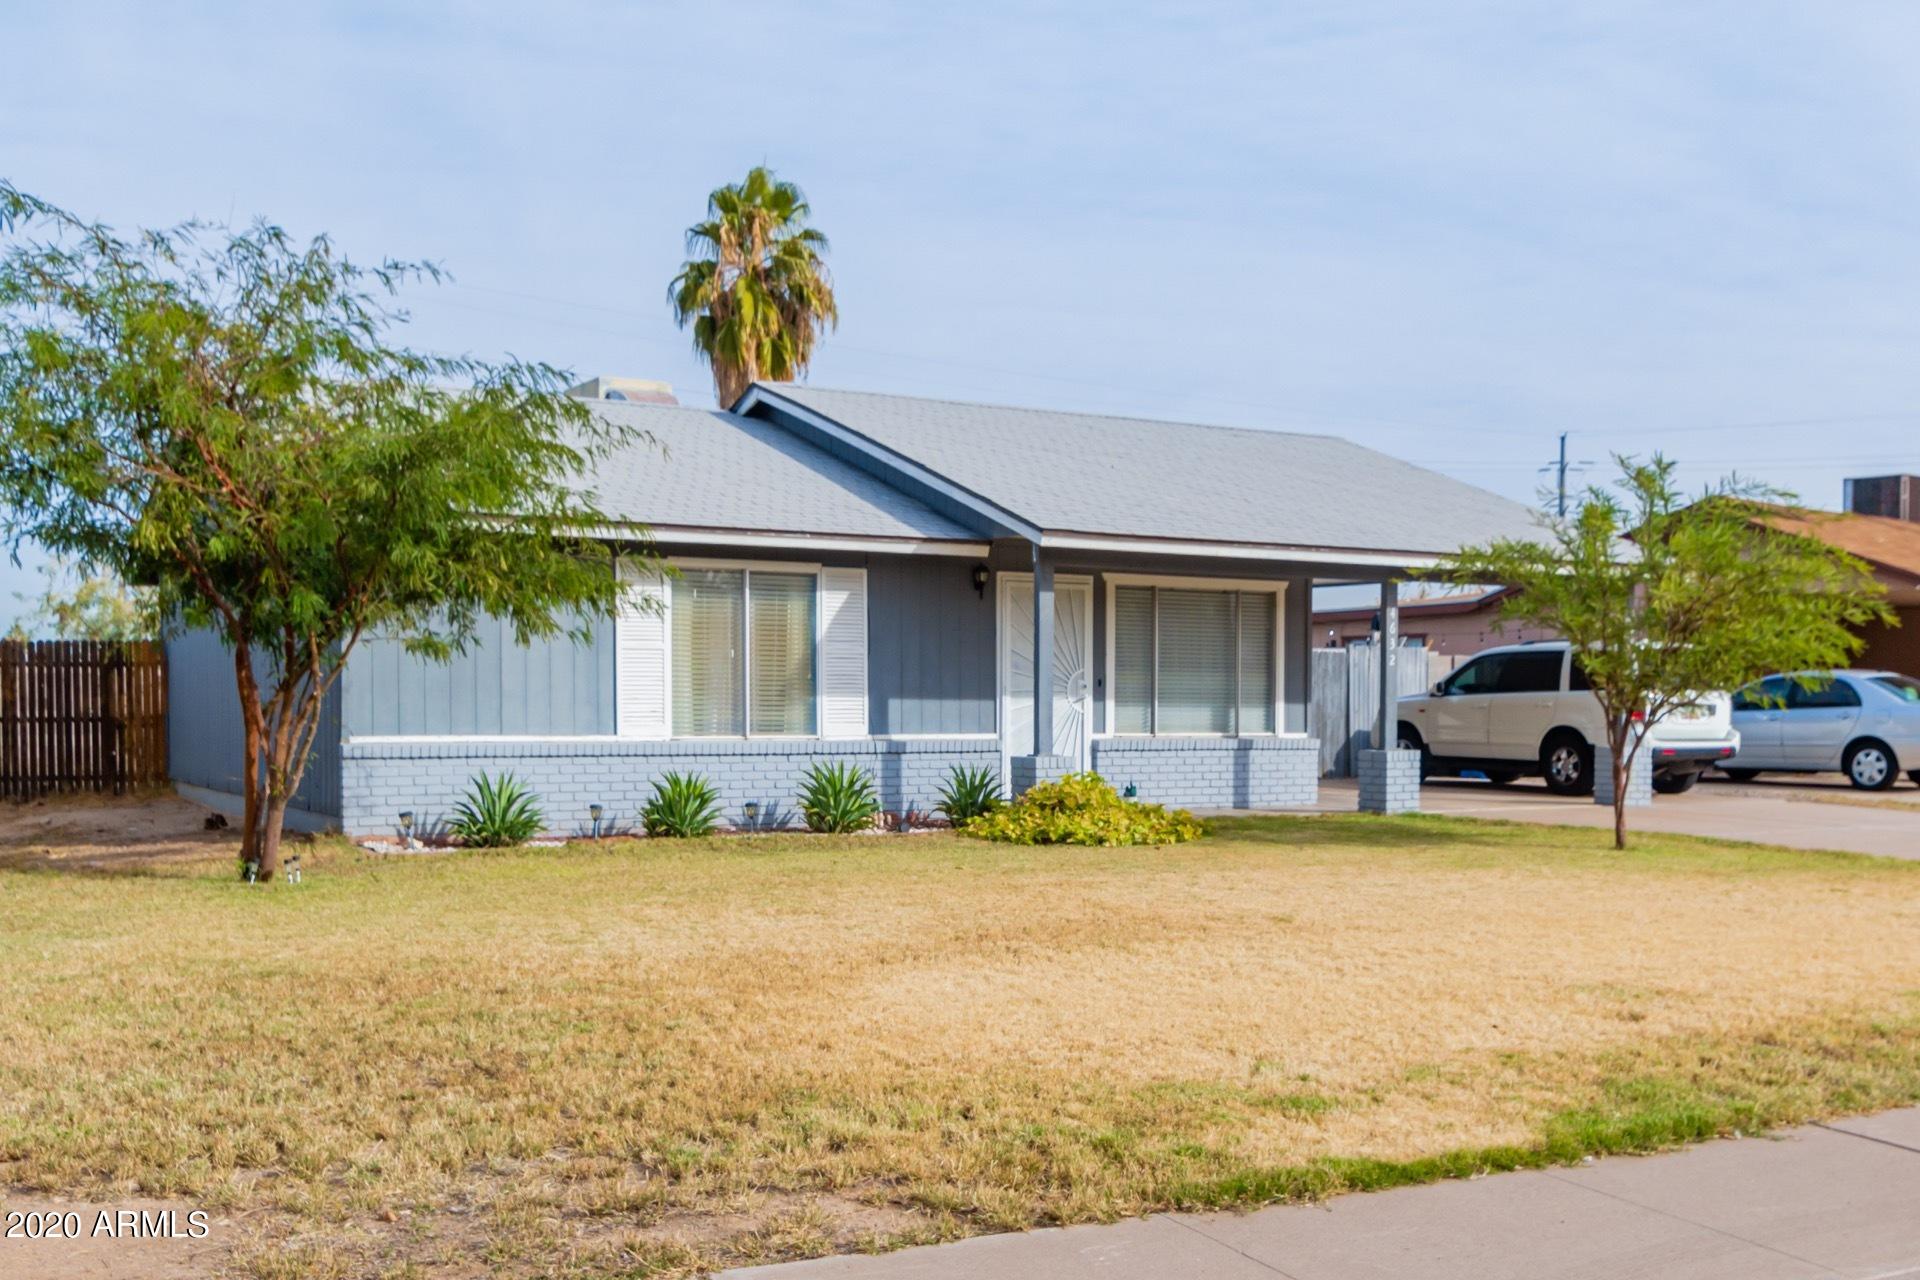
{"x":1390,"y":781}
{"x":1029,"y":771}
{"x":1639,"y":779}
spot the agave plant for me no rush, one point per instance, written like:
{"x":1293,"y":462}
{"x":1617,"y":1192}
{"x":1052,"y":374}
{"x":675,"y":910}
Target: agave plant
{"x":497,"y":813}
{"x":682,"y":804}
{"x":838,"y":797}
{"x":969,"y":791}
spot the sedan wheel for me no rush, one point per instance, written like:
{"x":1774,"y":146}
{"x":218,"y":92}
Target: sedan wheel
{"x":1870,"y":766}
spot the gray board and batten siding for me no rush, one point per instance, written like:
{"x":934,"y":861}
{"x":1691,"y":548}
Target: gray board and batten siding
{"x":206,"y":742}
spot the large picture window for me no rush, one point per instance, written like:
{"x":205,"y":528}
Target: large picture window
{"x":744,"y":653}
{"x":1188,"y":660}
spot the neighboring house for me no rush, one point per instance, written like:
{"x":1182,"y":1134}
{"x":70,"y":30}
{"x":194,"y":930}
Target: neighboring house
{"x":1458,"y":624}
{"x":888,"y":581}
{"x":1881,"y":526}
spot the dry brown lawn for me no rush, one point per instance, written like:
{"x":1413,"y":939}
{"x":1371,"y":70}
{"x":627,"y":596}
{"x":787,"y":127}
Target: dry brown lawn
{"x":646,"y":1058}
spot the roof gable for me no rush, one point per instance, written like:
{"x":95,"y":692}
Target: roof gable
{"x":1089,"y":474}
{"x":707,"y":469}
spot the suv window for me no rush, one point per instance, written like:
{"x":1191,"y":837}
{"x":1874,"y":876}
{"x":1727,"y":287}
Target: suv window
{"x":1482,"y":675}
{"x":1577,"y":678}
{"x":1834,"y":693}
{"x":1763,"y":695}
{"x":1537,"y":672}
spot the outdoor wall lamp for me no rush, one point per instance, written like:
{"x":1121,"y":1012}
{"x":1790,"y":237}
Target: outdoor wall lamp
{"x":980,"y":575}
{"x":595,"y":811}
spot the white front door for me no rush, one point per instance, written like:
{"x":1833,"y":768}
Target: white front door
{"x":1072,"y":666}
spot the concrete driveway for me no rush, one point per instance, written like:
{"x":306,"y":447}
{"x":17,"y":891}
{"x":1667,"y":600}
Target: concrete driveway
{"x":1801,"y":813}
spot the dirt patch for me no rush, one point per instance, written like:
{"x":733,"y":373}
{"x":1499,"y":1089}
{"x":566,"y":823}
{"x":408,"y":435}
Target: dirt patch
{"x":135,"y":1239}
{"x":109,"y":833}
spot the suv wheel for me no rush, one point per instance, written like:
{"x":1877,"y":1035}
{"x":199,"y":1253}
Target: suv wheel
{"x":1566,"y":761}
{"x":1673,"y":784}
{"x":1407,"y":738}
{"x":1870,"y":765}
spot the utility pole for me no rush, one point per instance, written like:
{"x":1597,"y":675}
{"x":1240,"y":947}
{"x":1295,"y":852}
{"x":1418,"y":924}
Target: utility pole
{"x":1561,"y":468}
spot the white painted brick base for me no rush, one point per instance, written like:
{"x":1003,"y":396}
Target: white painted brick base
{"x":379,"y":779}
{"x":1639,"y":779}
{"x":1026,"y":772}
{"x":1214,"y":773}
{"x":1389,"y":781}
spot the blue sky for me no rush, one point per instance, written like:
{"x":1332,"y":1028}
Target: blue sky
{"x":1448,"y":232}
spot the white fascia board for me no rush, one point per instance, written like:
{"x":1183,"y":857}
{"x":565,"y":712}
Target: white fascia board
{"x":1240,"y":551}
{"x":788,"y":541}
{"x":879,"y":452}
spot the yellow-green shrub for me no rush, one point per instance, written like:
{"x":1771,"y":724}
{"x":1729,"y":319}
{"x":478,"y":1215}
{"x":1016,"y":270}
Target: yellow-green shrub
{"x":1082,"y":809}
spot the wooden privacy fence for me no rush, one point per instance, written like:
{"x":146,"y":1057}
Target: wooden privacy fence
{"x":81,"y":715}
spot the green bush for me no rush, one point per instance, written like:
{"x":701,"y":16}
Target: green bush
{"x":682,"y":804}
{"x":1082,"y":809}
{"x":495,"y":815}
{"x":969,"y":792}
{"x":838,"y":797}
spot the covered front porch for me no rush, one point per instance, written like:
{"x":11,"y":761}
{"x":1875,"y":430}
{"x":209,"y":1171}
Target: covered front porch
{"x":1180,"y":676}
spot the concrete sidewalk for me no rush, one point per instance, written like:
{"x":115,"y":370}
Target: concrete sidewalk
{"x":1838,"y":1200}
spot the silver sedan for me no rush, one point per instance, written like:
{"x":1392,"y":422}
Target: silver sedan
{"x":1865,"y":724}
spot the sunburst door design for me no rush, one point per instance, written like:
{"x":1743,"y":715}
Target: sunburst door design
{"x":1072,"y":666}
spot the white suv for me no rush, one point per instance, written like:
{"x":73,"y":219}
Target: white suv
{"x":1527,"y":708}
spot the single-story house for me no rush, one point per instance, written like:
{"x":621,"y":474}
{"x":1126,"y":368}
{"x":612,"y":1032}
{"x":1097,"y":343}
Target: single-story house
{"x":1880,"y":525}
{"x":906,"y":584}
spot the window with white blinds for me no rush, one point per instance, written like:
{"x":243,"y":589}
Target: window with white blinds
{"x":744,"y":653}
{"x":1193,"y":661}
{"x":781,"y":628}
{"x":709,"y":654}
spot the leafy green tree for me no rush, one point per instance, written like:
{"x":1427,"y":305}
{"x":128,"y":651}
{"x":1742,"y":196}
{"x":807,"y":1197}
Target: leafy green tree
{"x":755,"y":287}
{"x":223,"y":414}
{"x":1665,"y":598}
{"x":97,"y":607}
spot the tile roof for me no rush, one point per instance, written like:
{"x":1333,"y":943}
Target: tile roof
{"x":1883,"y":540}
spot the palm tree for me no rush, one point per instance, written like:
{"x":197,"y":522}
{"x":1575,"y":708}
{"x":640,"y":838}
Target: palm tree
{"x":755,"y":285}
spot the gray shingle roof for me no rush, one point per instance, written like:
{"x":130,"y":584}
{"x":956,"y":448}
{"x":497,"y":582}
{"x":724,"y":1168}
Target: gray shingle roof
{"x":713,"y":470}
{"x":1135,"y":477}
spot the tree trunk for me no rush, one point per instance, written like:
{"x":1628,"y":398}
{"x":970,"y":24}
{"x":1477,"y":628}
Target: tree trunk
{"x":273,"y":817}
{"x":1619,"y":802}
{"x":1623,"y":744}
{"x":253,"y":738}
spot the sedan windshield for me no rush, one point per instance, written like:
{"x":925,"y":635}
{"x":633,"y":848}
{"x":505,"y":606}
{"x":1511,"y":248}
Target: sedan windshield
{"x":1905,"y":688}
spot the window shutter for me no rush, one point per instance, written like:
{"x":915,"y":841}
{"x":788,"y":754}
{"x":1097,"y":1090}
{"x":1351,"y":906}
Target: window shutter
{"x":843,"y":653}
{"x":640,"y":642}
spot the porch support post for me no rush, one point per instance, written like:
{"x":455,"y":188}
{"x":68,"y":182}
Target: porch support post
{"x":1389,"y":777}
{"x":1386,"y":717}
{"x":1042,"y":654}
